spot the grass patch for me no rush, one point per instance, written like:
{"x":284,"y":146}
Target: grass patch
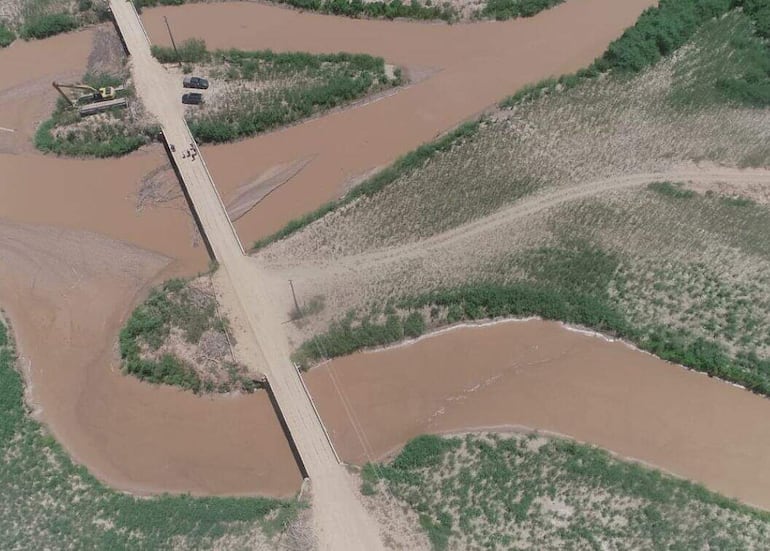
{"x":176,"y":337}
{"x":492,"y":492}
{"x":192,"y":50}
{"x":51,"y":503}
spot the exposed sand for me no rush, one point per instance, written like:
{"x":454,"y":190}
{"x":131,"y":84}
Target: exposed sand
{"x":475,"y":66}
{"x":540,"y":375}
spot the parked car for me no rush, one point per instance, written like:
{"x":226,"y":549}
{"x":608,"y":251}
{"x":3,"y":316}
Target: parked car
{"x":192,"y":98}
{"x":195,"y":82}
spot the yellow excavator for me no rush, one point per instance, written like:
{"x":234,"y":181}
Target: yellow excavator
{"x":88,"y":100}
{"x":88,"y":94}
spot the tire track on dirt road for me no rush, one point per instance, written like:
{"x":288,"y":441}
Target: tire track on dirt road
{"x":370,"y":262}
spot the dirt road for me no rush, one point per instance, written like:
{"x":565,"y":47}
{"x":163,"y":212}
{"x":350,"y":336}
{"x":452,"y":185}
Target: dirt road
{"x":340,"y":519}
{"x":473,"y":232}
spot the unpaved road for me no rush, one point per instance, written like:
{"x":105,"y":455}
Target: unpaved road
{"x":475,"y":231}
{"x":470,"y":67}
{"x":340,"y":520}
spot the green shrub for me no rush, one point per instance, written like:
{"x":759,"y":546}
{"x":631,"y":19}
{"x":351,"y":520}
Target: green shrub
{"x":376,"y":9}
{"x":424,"y":451}
{"x":659,"y":31}
{"x":42,"y":26}
{"x":509,"y":9}
{"x":414,"y":325}
{"x":6,"y":35}
{"x":192,"y":50}
{"x":669,"y":189}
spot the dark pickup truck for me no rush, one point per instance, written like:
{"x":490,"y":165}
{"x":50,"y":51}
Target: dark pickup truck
{"x":195,"y":82}
{"x":192,"y":98}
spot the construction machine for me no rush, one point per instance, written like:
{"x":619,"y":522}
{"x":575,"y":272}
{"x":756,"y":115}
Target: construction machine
{"x":85,"y":96}
{"x":91,"y":94}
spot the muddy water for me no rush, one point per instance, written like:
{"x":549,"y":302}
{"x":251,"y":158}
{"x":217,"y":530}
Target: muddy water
{"x":75,"y":256}
{"x":67,"y":292}
{"x":472,"y":66}
{"x":538,"y":374}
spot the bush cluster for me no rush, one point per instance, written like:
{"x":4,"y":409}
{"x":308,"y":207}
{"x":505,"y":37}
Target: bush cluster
{"x":509,"y":9}
{"x":150,"y":324}
{"x":42,"y":26}
{"x":346,"y":336}
{"x":659,"y":31}
{"x":192,"y":50}
{"x":6,"y":35}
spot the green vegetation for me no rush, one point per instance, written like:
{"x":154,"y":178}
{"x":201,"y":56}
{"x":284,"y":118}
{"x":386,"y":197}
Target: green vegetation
{"x":394,"y":9}
{"x":110,"y":134}
{"x":6,"y":35}
{"x":192,"y":50}
{"x":377,"y":9}
{"x":51,"y":503}
{"x":742,"y":77}
{"x":529,"y":492}
{"x":672,"y":189}
{"x":176,"y":337}
{"x":46,"y":25}
{"x":38,"y":19}
{"x":678,"y":272}
{"x":351,"y":334}
{"x":509,"y":9}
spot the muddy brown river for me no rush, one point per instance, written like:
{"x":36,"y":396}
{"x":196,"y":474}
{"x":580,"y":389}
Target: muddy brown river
{"x":76,"y":254}
{"x":540,"y":375}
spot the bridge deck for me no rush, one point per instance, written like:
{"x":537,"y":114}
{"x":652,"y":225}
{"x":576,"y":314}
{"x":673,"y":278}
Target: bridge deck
{"x":340,"y":520}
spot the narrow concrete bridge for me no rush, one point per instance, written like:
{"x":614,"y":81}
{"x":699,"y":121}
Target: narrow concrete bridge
{"x":340,"y":520}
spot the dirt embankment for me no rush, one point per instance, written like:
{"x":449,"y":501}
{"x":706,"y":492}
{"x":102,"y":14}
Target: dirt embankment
{"x":540,"y":375}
